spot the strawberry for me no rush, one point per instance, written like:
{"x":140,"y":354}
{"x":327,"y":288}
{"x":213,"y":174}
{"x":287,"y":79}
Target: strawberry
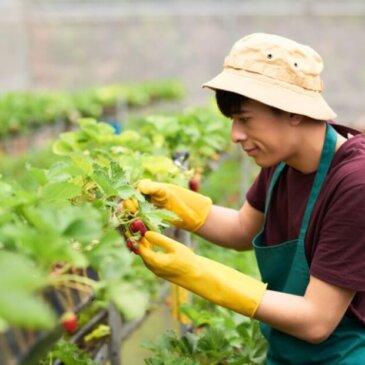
{"x":131,"y":204}
{"x":69,"y":322}
{"x":138,"y":226}
{"x":194,"y":185}
{"x":132,"y":247}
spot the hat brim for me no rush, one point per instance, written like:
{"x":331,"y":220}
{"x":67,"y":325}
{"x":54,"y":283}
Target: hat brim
{"x":278,"y":94}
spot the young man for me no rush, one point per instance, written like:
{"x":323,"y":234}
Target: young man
{"x":304,"y":214}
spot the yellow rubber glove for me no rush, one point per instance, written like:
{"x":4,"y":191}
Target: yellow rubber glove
{"x":193,"y":208}
{"x":211,"y":280}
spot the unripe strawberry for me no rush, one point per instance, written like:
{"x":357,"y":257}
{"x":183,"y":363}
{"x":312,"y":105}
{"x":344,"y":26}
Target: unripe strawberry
{"x":194,"y":185}
{"x":138,"y":226}
{"x":69,"y":322}
{"x":131,"y":204}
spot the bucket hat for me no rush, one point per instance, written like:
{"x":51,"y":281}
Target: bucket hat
{"x":276,"y":71}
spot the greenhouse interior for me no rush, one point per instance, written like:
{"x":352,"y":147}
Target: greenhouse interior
{"x":115,"y":158}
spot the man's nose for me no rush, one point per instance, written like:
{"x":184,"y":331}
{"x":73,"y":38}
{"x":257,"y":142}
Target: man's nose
{"x":238,"y":133}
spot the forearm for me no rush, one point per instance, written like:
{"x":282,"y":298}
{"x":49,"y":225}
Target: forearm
{"x":223,"y":228}
{"x":312,"y":317}
{"x":290,"y":314}
{"x":231,"y":228}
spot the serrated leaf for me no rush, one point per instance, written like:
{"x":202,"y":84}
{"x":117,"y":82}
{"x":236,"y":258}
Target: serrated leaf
{"x":60,"y":190}
{"x":83,"y":162}
{"x":63,"y":171}
{"x":104,"y":183}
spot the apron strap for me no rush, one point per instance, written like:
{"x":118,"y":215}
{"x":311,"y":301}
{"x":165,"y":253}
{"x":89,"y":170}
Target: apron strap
{"x":328,"y":152}
{"x":274,"y":179}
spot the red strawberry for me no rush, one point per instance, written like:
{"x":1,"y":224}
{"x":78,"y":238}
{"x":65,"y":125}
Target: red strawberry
{"x":132,"y":247}
{"x":194,"y":185}
{"x":138,"y":226}
{"x":69,"y":322}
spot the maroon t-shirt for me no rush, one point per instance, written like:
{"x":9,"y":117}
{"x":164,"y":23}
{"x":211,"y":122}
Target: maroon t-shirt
{"x":335,"y":240}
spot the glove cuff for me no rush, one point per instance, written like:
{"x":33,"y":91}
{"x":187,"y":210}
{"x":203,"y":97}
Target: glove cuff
{"x":193,"y":210}
{"x":229,"y":288}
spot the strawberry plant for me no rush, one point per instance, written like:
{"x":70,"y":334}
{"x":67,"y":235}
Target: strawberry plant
{"x":83,"y":211}
{"x":219,"y":338}
{"x":87,"y":185}
{"x":201,"y":132}
{"x":22,"y":112}
{"x":69,"y":354}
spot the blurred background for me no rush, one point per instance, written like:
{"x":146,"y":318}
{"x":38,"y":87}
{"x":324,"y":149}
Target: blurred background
{"x":70,"y":44}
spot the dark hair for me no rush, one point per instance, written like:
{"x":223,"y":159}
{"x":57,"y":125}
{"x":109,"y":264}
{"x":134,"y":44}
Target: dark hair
{"x":230,"y":103}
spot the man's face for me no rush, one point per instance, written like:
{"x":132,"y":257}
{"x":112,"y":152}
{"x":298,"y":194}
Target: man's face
{"x":265,"y":136}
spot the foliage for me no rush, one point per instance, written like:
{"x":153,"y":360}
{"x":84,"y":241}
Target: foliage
{"x":220,"y":337}
{"x":96,"y":170}
{"x":18,"y":281}
{"x":68,"y":212}
{"x":70,"y":354}
{"x":201,"y":132}
{"x":23,"y":111}
{"x":79,"y":189}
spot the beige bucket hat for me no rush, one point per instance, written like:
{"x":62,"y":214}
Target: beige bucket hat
{"x":275,"y":71}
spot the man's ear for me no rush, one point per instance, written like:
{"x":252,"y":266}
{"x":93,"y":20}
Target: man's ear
{"x":295,"y":119}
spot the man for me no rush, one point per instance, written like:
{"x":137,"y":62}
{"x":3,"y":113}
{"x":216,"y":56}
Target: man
{"x":304,"y":214}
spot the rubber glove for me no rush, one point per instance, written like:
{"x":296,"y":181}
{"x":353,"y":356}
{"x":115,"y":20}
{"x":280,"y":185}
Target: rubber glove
{"x":211,"y":280}
{"x":193,"y":208}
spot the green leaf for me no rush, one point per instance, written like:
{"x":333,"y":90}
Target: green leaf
{"x":25,"y":310}
{"x":39,"y":175}
{"x":76,"y":223}
{"x":85,"y":163}
{"x":99,"y":332}
{"x":3,"y":325}
{"x":63,"y":171}
{"x":19,"y":281}
{"x":132,"y":302}
{"x":104,"y":182}
{"x":60,"y":190}
{"x":126,"y":191}
{"x":19,"y":273}
{"x":70,"y":354}
{"x":62,"y":148}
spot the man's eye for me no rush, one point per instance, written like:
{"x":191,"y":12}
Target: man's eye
{"x":244,"y":119}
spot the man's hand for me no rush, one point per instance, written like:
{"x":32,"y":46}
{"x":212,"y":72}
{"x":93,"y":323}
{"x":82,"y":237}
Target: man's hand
{"x":211,"y":280}
{"x":191,"y":207}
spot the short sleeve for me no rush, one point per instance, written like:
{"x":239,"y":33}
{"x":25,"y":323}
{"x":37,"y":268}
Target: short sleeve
{"x":339,"y":255}
{"x":256,"y":194}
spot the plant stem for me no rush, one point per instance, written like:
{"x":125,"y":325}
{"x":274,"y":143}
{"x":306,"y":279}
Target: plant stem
{"x":71,"y":277}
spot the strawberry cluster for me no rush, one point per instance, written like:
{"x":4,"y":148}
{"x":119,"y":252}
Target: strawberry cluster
{"x":134,"y":231}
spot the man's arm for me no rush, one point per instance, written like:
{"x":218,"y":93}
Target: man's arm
{"x":231,"y":228}
{"x":311,"y":318}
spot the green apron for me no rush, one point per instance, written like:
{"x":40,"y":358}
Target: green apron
{"x":285,"y":268}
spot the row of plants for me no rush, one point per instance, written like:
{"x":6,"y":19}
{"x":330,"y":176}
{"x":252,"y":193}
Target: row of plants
{"x":71,"y":214}
{"x":23,"y":111}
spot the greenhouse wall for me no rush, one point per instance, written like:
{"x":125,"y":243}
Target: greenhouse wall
{"x":73,"y":44}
